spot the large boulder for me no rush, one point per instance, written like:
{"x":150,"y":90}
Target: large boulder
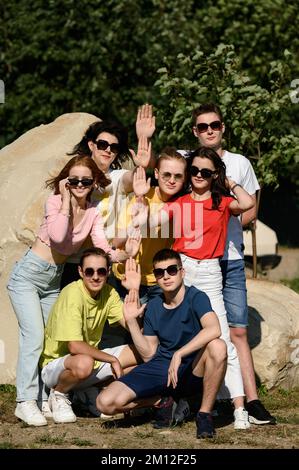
{"x":274,"y":333}
{"x":24,"y":166}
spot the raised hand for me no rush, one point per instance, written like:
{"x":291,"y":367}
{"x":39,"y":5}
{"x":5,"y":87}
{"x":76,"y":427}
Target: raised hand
{"x":145,"y":121}
{"x":144,"y":152}
{"x":139,"y":213}
{"x":132,"y":245}
{"x":132,"y":277}
{"x":64,"y":188}
{"x":131,"y":307}
{"x":141,"y":185}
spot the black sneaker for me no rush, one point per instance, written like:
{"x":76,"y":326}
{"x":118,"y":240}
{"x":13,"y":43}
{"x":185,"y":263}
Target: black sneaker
{"x":258,"y":413}
{"x":205,"y":426}
{"x":182,"y":412}
{"x":164,"y":413}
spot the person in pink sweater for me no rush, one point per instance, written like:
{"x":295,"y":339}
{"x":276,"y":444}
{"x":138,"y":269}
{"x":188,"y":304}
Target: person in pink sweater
{"x":70,"y":217}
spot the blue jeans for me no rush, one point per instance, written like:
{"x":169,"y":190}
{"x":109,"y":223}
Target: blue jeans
{"x":33,"y":288}
{"x":235,"y":292}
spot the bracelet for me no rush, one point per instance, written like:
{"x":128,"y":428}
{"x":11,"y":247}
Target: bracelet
{"x":235,"y":185}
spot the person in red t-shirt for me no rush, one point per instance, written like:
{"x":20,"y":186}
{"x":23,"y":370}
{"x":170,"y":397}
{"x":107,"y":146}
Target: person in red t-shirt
{"x":200,"y":221}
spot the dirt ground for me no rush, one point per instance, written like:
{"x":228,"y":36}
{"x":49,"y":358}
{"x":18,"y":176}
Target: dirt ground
{"x":137,"y":433}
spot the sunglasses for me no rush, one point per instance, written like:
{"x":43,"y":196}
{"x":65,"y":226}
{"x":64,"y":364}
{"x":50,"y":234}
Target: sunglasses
{"x":203,"y":126}
{"x":166,"y":176}
{"x":172,"y":270}
{"x":204,"y":172}
{"x":103,"y":145}
{"x":84,"y":181}
{"x":101,"y":272}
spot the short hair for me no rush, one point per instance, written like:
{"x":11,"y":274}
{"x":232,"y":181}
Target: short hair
{"x":94,"y":252}
{"x":204,"y":109}
{"x":170,"y":153}
{"x":165,"y":254}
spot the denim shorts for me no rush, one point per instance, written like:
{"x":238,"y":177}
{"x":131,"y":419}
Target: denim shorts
{"x":235,"y":292}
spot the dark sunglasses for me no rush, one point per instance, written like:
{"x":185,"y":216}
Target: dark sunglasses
{"x":101,"y":272}
{"x":204,"y":172}
{"x":203,"y":126}
{"x":103,"y":145}
{"x":172,"y":270}
{"x":84,"y":181}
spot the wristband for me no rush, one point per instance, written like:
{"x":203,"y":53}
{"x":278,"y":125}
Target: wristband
{"x":235,"y":185}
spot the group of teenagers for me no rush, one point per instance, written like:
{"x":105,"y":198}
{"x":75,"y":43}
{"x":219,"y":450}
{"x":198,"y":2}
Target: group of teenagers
{"x":159,"y":258}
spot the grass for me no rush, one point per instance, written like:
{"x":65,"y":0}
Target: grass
{"x":293,"y":283}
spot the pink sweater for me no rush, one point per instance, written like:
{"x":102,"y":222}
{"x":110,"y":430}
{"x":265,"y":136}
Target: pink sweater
{"x":57,"y":232}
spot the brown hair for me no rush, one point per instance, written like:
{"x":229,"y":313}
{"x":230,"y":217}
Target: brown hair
{"x":204,"y":109}
{"x":94,"y":252}
{"x":98,"y":176}
{"x":170,"y":153}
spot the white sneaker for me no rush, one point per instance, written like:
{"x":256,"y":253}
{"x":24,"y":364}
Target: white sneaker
{"x":61,"y":408}
{"x":241,"y":419}
{"x":47,"y":413}
{"x":29,"y":412}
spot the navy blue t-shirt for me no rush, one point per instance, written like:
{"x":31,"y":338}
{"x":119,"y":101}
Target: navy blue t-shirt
{"x":175,"y":327}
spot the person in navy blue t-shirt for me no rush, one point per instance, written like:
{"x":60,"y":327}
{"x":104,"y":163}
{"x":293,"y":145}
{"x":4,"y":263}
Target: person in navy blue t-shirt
{"x":180,"y":346}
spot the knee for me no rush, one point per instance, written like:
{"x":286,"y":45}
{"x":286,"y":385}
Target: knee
{"x":84,"y":366}
{"x":217,"y":350}
{"x":238,"y":334}
{"x":105,"y":403}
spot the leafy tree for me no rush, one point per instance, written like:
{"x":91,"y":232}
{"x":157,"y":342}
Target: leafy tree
{"x":252,"y":112}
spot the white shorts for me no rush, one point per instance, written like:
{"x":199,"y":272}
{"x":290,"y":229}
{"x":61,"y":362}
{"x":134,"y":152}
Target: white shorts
{"x":51,"y":372}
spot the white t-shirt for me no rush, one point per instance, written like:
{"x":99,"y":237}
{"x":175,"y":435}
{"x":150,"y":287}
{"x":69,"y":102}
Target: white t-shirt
{"x":239,"y":169}
{"x":110,"y":203}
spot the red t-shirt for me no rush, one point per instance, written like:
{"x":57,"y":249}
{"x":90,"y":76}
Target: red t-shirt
{"x":199,"y":231}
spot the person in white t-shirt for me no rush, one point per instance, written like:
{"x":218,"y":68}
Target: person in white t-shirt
{"x":208,"y":128}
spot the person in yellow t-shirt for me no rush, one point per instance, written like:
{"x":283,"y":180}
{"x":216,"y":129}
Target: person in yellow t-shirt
{"x":170,"y":174}
{"x":71,"y":357}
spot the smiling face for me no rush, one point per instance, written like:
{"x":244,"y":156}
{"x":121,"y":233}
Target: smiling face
{"x":171,"y":177}
{"x":80,"y":172}
{"x":95,"y":282}
{"x":103,"y":158}
{"x":210,"y":138}
{"x":198,"y":182}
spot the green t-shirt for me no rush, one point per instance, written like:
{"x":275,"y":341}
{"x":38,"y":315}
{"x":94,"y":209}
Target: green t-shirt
{"x":76,"y":316}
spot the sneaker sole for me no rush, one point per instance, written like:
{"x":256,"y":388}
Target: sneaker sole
{"x":254,"y":420}
{"x":65,"y":422}
{"x":30,"y":424}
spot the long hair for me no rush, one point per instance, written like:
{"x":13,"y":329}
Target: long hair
{"x":91,"y":134}
{"x":218,"y":185}
{"x":79,"y":160}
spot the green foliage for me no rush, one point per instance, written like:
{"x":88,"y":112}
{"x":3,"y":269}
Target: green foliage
{"x":102,"y":57}
{"x":252,"y":113}
{"x":293,"y":283}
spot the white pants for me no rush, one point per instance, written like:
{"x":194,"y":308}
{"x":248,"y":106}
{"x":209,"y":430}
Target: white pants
{"x":206,"y":276}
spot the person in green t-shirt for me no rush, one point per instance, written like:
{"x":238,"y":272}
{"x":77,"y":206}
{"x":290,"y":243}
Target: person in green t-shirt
{"x":71,"y":358}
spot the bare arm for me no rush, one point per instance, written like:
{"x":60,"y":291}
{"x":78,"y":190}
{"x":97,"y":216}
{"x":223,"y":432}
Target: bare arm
{"x":81,"y":347}
{"x":210,"y":330}
{"x":250,"y":215}
{"x":145,"y":345}
{"x":244,"y":201}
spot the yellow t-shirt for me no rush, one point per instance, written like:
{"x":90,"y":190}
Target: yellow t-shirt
{"x":157,"y":239}
{"x":76,"y":316}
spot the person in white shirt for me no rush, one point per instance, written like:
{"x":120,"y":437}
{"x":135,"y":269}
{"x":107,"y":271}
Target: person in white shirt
{"x":208,"y":128}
